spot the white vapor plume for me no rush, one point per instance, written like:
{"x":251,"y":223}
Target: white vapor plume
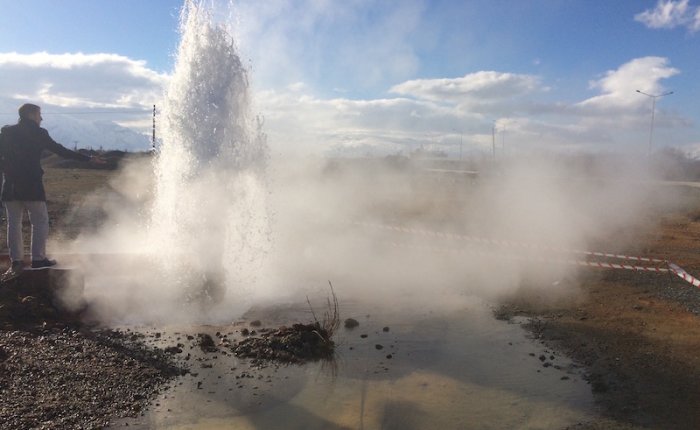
{"x":398,"y":230}
{"x":210,"y":228}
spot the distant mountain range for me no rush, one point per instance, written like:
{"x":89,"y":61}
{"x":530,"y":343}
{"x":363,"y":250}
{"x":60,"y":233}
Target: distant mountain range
{"x":74,"y":133}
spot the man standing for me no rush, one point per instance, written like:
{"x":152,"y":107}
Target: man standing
{"x":21,"y":146}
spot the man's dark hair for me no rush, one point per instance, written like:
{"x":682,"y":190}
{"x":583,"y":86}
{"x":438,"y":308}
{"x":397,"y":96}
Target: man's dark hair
{"x":28,"y":109}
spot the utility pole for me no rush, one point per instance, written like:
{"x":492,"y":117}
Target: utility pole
{"x":493,"y":140}
{"x":503,"y":142}
{"x":153,"y":138}
{"x":653,"y":109}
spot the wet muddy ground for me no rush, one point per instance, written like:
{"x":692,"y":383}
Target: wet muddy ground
{"x":638,"y":335}
{"x":401,"y":368}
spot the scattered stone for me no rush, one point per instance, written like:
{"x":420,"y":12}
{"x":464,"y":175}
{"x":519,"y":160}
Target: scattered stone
{"x":599,"y":387}
{"x":378,"y":346}
{"x":255,"y":323}
{"x":363,"y":336}
{"x":206,"y":343}
{"x":245,"y":332}
{"x":351,"y":323}
{"x":389,"y":356}
{"x":173,"y":350}
{"x":385,"y":329}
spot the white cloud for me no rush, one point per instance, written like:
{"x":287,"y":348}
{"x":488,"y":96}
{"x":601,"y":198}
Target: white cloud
{"x":332,"y":44}
{"x":671,"y":14}
{"x":695,"y":24}
{"x":80,"y":80}
{"x":619,"y":87}
{"x":429,"y":113}
{"x":438,"y":113}
{"x":484,"y":86}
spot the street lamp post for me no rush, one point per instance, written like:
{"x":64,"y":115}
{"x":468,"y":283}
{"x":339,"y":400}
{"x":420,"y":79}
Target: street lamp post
{"x":653,"y":109}
{"x":493,"y":140}
{"x":503,"y":142}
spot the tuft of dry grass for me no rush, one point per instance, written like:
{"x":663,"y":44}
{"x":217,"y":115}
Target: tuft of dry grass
{"x":330,"y":321}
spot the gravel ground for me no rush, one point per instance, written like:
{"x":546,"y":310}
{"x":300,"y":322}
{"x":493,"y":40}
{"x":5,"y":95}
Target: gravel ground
{"x":76,"y":379}
{"x":638,"y":337}
{"x":56,"y":373}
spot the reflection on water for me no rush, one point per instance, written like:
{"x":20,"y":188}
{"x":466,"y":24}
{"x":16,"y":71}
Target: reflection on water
{"x":456,"y":370}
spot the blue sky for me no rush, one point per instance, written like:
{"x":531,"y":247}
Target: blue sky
{"x":360,"y":76}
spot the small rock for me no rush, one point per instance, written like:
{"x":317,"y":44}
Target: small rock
{"x":351,"y":323}
{"x":385,"y":329}
{"x":363,"y":336}
{"x":378,"y":346}
{"x":599,"y":387}
{"x":255,"y":323}
{"x":206,"y":343}
{"x":173,"y":350}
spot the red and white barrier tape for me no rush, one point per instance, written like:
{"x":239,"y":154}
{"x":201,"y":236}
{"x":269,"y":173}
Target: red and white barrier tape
{"x":687,"y":277}
{"x":506,"y":243}
{"x":597,"y":264}
{"x":671,"y":267}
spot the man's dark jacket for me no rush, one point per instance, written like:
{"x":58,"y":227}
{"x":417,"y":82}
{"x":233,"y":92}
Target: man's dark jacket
{"x":21,"y":146}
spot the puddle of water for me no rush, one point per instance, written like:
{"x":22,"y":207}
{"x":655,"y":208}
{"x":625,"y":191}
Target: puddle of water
{"x":457,"y":370}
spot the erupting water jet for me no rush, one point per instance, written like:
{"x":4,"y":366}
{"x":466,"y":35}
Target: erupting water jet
{"x":209,"y":211}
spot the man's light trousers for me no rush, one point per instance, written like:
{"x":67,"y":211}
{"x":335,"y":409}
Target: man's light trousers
{"x":38,"y":217}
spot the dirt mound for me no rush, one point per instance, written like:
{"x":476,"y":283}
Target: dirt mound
{"x":298,"y":344}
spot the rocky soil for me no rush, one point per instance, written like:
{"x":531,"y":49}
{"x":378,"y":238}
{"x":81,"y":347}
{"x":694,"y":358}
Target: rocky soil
{"x":57,"y":373}
{"x":636,"y":334}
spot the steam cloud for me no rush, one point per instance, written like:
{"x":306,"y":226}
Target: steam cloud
{"x":210,"y":228}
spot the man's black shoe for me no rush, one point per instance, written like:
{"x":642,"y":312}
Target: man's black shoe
{"x":40,"y":264}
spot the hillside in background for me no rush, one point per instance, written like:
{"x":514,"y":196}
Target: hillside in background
{"x":106,"y":135}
